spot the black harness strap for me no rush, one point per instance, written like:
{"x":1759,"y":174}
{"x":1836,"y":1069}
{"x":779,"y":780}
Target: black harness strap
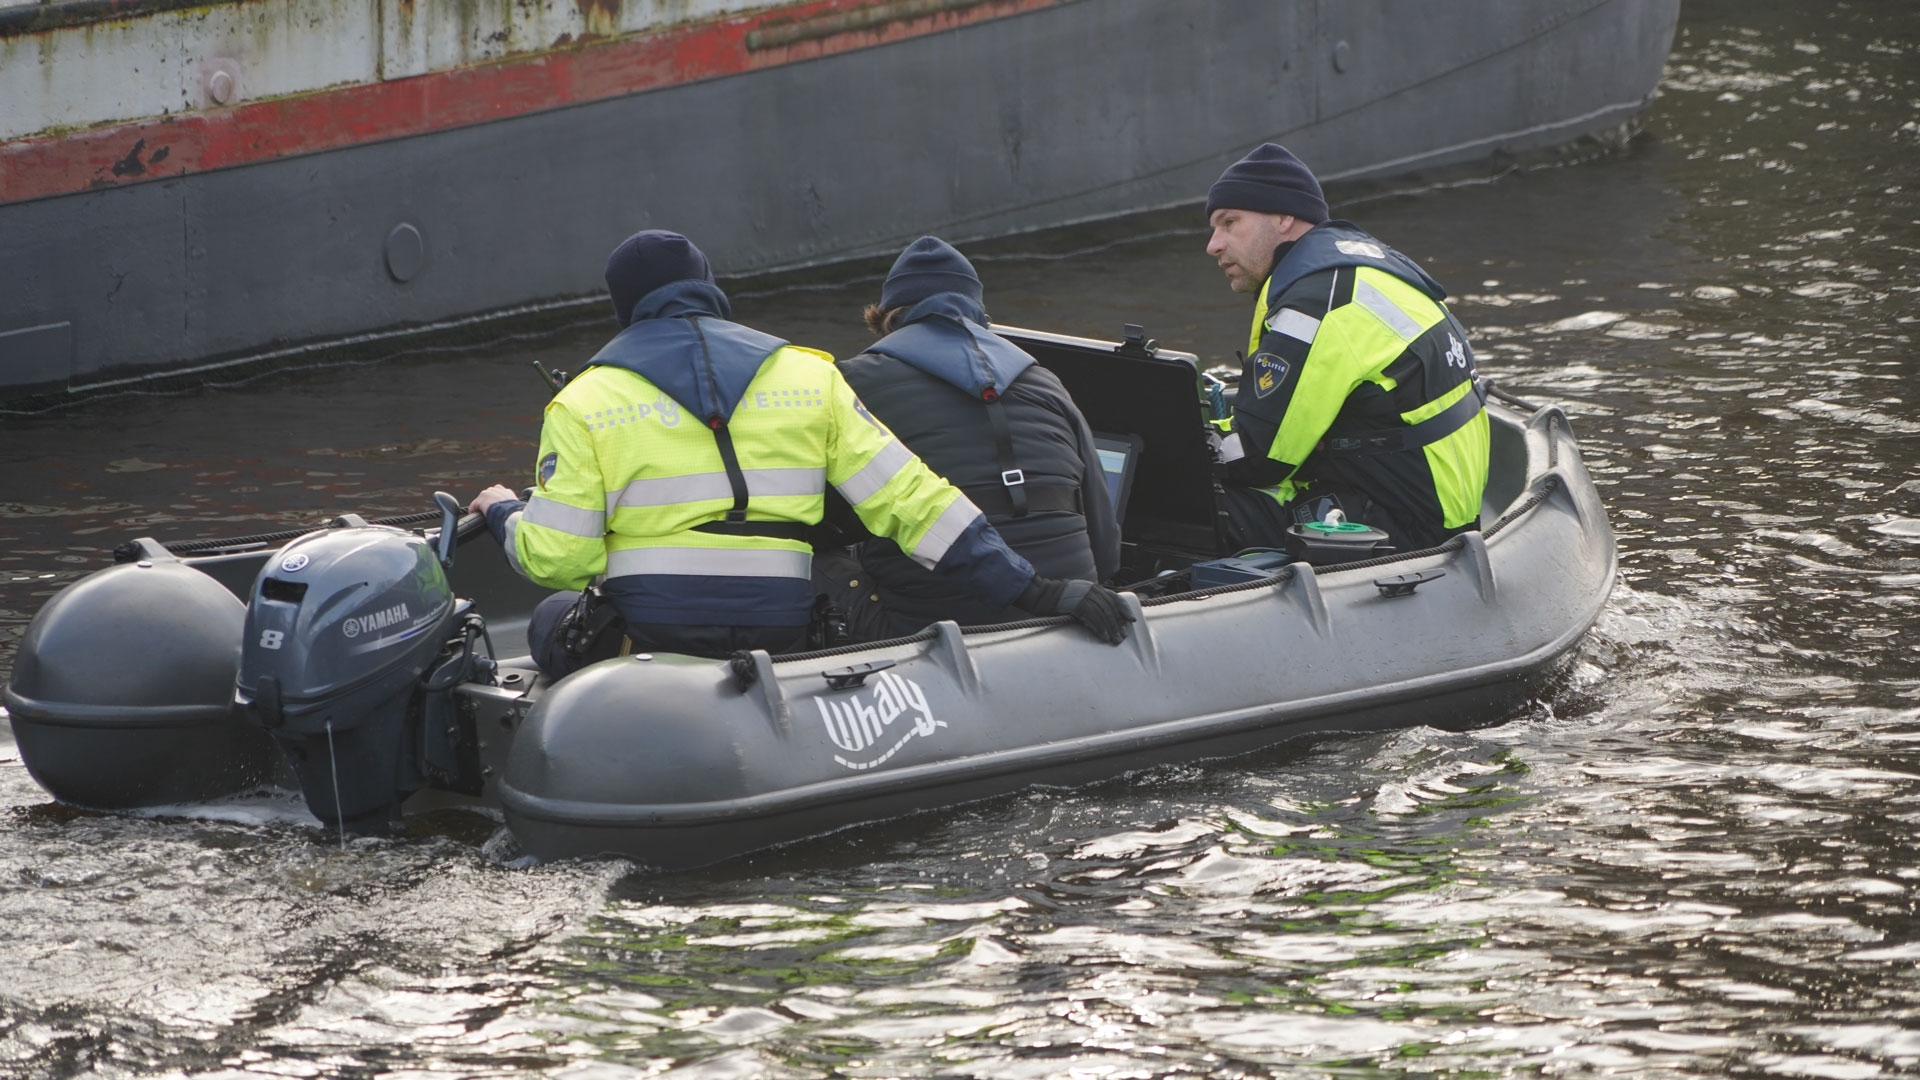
{"x":736,"y":477}
{"x":729,"y":459}
{"x":1411,"y":437}
{"x":736,"y":523}
{"x":993,"y":500}
{"x":1012,"y":479}
{"x":778,"y":530}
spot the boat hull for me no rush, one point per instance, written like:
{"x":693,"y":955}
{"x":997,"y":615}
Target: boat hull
{"x":667,"y":837}
{"x":678,"y":762}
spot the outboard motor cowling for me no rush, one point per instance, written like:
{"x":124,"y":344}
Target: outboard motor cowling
{"x":341,"y":628}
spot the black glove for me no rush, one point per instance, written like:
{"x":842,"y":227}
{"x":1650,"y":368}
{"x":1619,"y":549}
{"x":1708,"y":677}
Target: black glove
{"x":1094,"y":606}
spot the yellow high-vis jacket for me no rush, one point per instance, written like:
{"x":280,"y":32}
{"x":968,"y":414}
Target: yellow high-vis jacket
{"x":1358,"y":378}
{"x":688,"y":461}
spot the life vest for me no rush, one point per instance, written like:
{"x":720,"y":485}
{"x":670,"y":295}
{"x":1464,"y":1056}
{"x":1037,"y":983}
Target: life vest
{"x":944,"y":337}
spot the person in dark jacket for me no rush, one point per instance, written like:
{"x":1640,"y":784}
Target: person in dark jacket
{"x":998,"y":426}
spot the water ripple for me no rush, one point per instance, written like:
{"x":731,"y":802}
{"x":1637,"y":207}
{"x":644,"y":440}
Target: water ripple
{"x":1692,"y":857}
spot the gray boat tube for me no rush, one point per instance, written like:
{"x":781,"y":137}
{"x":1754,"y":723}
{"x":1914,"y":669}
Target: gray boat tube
{"x":678,"y":762}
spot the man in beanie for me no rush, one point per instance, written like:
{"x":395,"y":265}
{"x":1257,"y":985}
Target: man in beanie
{"x":1357,"y":391}
{"x":687,"y":464}
{"x":995,"y":424}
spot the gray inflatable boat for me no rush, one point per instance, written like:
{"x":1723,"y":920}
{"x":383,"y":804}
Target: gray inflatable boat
{"x":357,"y":661}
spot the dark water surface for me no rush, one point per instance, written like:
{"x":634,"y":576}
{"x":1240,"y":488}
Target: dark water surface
{"x":1697,"y":859}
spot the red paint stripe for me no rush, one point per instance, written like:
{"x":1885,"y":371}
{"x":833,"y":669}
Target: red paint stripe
{"x":143,"y":150}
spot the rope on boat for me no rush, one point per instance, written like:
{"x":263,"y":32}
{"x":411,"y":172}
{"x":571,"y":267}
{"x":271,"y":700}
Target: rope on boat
{"x":1020,"y":624}
{"x":203,"y":547}
{"x":1493,"y":390}
{"x":1541,"y":490}
{"x":333,"y":764}
{"x":1283,"y":574}
{"x":1447,"y":548}
{"x":1033,"y":624}
{"x":740,"y":668}
{"x":1029,"y":624}
{"x":841,"y":650}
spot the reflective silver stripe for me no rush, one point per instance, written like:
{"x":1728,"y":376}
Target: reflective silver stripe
{"x":1385,"y":310}
{"x":946,"y":529}
{"x":873,"y":476}
{"x":670,"y":491}
{"x":701,"y":487}
{"x":560,"y":517}
{"x":710,"y":562}
{"x":773,"y":482}
{"x":1295,"y":324}
{"x":513,"y":549}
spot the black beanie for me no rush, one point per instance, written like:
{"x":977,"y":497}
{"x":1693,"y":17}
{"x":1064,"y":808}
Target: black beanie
{"x":929,"y":265}
{"x":1269,"y":181}
{"x":647,"y":260}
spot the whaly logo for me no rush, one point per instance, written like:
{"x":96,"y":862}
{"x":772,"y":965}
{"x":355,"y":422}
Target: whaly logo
{"x":858,"y":726}
{"x":379,"y":620}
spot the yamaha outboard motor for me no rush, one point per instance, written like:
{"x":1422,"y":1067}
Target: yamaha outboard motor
{"x":352,"y":647}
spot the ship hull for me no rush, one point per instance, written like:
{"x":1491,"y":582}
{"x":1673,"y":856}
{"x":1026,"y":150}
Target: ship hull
{"x":1045,"y":116}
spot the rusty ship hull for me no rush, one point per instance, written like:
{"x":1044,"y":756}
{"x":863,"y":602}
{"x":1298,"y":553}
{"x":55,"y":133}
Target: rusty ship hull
{"x":186,"y":187}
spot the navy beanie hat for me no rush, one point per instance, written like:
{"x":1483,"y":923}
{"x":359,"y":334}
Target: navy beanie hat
{"x":647,"y":260}
{"x":1269,"y":181}
{"x":929,"y":265}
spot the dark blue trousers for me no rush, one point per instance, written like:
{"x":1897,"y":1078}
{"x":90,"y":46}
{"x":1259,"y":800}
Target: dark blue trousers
{"x":546,"y":638}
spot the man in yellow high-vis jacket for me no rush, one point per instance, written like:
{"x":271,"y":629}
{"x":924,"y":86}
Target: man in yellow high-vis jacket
{"x":686,"y":464}
{"x":1358,"y":388}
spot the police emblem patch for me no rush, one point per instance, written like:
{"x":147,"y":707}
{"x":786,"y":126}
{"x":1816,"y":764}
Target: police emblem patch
{"x":1269,"y":371}
{"x":548,"y":465}
{"x":861,"y":408}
